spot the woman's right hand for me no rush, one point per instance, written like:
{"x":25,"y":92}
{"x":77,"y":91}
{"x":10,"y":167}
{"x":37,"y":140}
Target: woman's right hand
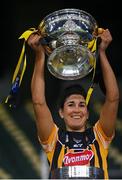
{"x":35,"y":43}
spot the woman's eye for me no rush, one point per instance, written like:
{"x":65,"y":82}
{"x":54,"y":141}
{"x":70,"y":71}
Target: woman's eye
{"x":82,"y":105}
{"x":70,"y":104}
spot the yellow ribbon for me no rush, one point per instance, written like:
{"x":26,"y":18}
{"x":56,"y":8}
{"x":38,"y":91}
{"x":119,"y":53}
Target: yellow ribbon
{"x":92,"y":45}
{"x":21,"y":65}
{"x":22,"y":58}
{"x":89,"y":93}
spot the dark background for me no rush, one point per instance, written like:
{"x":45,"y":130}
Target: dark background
{"x":18,"y":16}
{"x":21,"y":15}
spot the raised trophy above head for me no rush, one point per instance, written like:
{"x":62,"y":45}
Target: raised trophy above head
{"x":68,"y":36}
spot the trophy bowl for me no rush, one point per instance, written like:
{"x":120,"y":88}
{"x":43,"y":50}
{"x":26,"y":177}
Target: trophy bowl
{"x":66,"y":35}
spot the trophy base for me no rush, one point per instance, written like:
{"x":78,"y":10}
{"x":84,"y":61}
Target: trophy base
{"x":77,"y":172}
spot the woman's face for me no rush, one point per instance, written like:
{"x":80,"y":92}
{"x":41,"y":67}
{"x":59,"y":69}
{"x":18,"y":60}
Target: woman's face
{"x":74,"y":113}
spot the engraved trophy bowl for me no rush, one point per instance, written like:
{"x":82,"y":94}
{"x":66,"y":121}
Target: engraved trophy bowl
{"x":65,"y":35}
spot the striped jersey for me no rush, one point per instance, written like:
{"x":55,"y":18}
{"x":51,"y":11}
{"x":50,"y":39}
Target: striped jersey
{"x":66,"y":148}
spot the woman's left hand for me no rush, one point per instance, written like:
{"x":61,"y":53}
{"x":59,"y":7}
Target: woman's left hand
{"x":106,"y":39}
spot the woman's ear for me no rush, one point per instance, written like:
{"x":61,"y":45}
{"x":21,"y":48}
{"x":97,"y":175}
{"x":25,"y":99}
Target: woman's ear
{"x":61,"y":113}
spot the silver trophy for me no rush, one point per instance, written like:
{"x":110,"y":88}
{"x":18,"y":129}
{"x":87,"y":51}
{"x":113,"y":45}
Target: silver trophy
{"x":66,"y":35}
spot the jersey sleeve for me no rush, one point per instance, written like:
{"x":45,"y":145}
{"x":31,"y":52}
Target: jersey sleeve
{"x":102,"y":136}
{"x":49,"y":144}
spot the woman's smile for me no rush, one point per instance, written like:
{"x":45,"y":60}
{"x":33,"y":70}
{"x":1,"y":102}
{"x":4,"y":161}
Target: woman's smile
{"x":75,"y":112}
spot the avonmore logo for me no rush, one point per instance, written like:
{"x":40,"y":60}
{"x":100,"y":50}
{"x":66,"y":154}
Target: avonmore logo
{"x":78,"y":158}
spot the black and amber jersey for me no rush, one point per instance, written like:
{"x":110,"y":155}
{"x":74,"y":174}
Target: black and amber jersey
{"x":90,"y":148}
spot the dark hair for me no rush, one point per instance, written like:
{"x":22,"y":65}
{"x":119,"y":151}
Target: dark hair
{"x":72,"y":89}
